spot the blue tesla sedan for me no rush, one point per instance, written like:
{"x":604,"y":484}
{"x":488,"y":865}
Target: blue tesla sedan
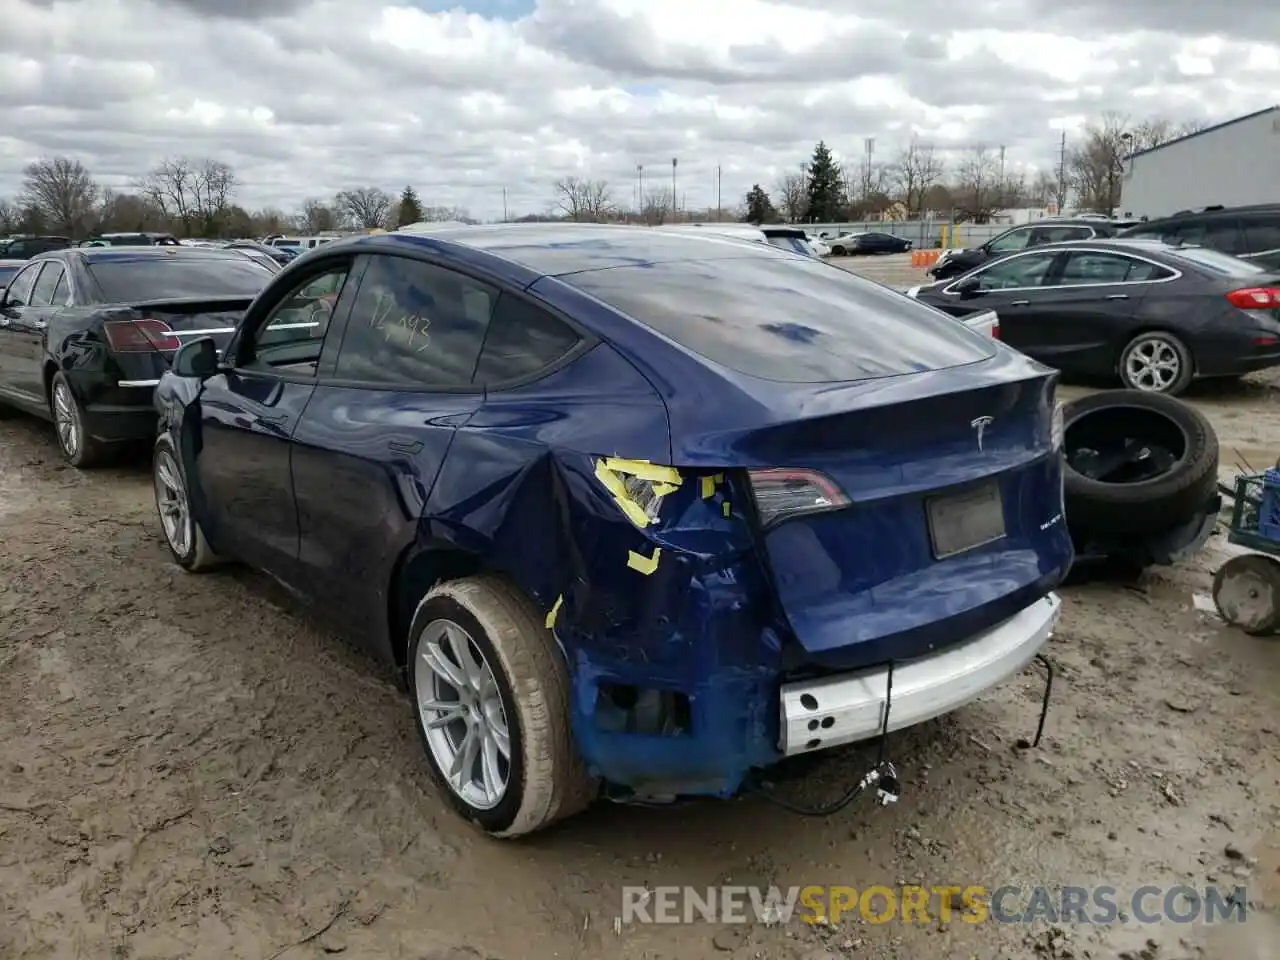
{"x":633,"y":512}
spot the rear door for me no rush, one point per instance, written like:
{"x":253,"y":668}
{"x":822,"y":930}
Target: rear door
{"x":1088,"y":309}
{"x":249,"y":413}
{"x":367,"y":453}
{"x":14,"y":334}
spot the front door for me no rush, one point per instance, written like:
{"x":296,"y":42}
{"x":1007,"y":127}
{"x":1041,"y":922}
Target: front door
{"x":1008,"y":287}
{"x":31,"y":327}
{"x":248,"y":415}
{"x":371,"y":443}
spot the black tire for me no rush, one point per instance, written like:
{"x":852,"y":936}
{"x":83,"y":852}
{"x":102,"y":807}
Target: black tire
{"x":1164,"y":343}
{"x":1146,"y":506}
{"x":1246,"y":591}
{"x":837,"y":251}
{"x":546,"y":779}
{"x":191,"y":551}
{"x":78,"y":448}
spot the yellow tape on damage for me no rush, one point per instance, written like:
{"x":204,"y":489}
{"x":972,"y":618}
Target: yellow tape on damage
{"x":728,"y":510}
{"x":554,"y":612}
{"x":644,"y":470}
{"x":646,"y":565}
{"x":613,"y":483}
{"x":708,"y":487}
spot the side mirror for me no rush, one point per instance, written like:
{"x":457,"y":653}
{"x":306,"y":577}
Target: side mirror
{"x":968,"y":287}
{"x":198,"y":359}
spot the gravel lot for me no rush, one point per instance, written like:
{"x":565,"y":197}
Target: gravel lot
{"x":189,"y":767}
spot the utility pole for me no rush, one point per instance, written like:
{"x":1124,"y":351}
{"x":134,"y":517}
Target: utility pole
{"x":640,"y":181}
{"x":869,"y":145}
{"x":504,"y":205}
{"x":675,"y":202}
{"x":1062,"y":175}
{"x":718,"y":193}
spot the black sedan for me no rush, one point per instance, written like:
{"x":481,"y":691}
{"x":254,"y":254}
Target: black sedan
{"x":1152,"y":314}
{"x":85,"y":334}
{"x":952,"y":263}
{"x":852,"y":244}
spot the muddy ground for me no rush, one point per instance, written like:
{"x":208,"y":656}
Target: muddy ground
{"x":189,"y":767}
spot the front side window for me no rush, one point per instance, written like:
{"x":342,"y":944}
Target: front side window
{"x":19,"y":292}
{"x":1017,"y":272}
{"x":295,"y":331}
{"x":1010,"y":242}
{"x":415,"y":324}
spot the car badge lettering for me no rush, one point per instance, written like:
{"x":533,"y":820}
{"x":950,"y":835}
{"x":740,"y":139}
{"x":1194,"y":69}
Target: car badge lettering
{"x":980,"y":424}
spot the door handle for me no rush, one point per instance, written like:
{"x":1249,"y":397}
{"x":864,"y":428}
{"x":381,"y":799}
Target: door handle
{"x":1020,"y":303}
{"x":405,"y":446}
{"x":1118,"y":296}
{"x":272,"y":418}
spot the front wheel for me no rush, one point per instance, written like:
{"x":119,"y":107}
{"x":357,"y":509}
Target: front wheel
{"x":182,"y":531}
{"x":492,"y":695}
{"x":1156,"y":362}
{"x":837,"y":251}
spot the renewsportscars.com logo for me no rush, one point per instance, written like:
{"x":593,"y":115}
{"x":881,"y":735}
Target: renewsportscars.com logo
{"x":831,"y":904}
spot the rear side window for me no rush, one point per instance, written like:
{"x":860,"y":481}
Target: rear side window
{"x":415,"y":324}
{"x":1224,"y":235}
{"x":1086,"y":267}
{"x":522,"y":340}
{"x":127,"y":280}
{"x":786,"y":319}
{"x":1262,"y":235}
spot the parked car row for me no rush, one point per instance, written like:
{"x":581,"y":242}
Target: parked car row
{"x":614,"y":502}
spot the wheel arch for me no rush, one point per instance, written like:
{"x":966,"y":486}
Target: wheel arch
{"x":416,"y":571}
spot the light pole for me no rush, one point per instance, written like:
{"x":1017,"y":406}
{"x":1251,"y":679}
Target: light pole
{"x":718,"y":193}
{"x":504,"y":205}
{"x":640,"y":180}
{"x":675,"y":203}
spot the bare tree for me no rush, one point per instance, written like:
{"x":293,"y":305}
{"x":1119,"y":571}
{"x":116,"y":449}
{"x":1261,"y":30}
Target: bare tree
{"x":62,"y":191}
{"x":658,"y":206}
{"x":127,"y":212}
{"x":1043,"y":191}
{"x":585,"y":200}
{"x":195,"y":193}
{"x":366,"y":206}
{"x":1096,"y":164}
{"x":792,"y":195}
{"x":977,"y":192}
{"x":917,"y":168}
{"x":446,"y":214}
{"x":10,"y":216}
{"x":317,"y":217}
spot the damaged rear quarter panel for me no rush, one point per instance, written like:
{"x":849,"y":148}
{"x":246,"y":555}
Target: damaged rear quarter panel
{"x":673,"y":605}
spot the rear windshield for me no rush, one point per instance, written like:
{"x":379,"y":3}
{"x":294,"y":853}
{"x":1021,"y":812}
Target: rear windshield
{"x":796,"y":244}
{"x":1220,"y":263}
{"x":792,"y":320}
{"x":169,"y":278}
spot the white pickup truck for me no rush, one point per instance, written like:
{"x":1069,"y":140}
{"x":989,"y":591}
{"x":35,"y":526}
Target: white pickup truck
{"x":984,"y":321}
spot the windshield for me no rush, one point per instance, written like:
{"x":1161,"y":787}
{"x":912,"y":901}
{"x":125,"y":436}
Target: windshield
{"x":1220,"y":263}
{"x":126,"y":280}
{"x":786,"y":319}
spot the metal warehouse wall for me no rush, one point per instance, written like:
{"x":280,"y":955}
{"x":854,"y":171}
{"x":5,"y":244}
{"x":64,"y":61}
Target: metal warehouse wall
{"x":1233,"y":165}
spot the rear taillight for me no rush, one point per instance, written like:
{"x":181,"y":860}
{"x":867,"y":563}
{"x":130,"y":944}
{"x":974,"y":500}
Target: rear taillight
{"x":995,"y":331}
{"x":782,"y":493}
{"x":140,"y":336}
{"x":1255,"y":298}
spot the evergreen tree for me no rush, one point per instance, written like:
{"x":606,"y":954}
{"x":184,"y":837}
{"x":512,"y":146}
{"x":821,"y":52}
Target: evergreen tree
{"x":760,"y":208}
{"x":826,"y":186}
{"x":410,"y":208}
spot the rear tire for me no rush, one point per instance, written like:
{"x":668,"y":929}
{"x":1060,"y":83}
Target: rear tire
{"x":182,"y":532}
{"x":1157,"y":362}
{"x":485,"y":672}
{"x":78,"y":448}
{"x":837,"y":251}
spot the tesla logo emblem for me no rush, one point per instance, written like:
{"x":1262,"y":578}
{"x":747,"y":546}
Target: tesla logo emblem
{"x":980,"y":424}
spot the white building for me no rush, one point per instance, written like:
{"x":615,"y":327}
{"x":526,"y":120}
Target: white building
{"x":1233,"y":164}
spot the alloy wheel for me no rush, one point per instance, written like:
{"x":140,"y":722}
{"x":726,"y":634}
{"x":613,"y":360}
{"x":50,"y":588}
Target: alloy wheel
{"x":66,"y":419}
{"x":1153,"y":365}
{"x":462,"y":713}
{"x":171,"y":501}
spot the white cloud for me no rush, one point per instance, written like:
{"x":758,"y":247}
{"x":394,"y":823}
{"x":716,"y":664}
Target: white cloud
{"x":306,"y":97}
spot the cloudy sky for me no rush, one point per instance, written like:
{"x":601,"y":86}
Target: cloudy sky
{"x":464,"y":99}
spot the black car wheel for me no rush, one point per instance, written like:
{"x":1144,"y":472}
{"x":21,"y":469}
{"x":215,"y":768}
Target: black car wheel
{"x":492,"y":702}
{"x":1137,"y":463}
{"x":837,"y":251}
{"x":1157,"y":362}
